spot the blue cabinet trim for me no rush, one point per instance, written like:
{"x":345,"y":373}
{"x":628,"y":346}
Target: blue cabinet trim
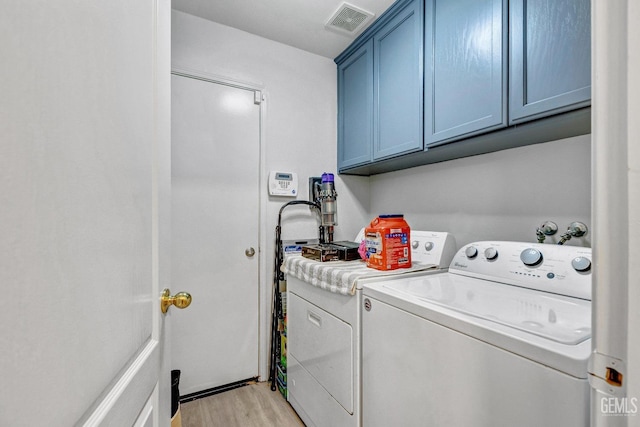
{"x":465,"y":68}
{"x":380,"y":89}
{"x":398,"y":85}
{"x":355,"y":107}
{"x":550,"y":55}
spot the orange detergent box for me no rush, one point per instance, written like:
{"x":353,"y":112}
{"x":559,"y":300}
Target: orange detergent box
{"x":387,"y":241}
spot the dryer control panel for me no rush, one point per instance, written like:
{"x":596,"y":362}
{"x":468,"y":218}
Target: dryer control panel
{"x":432,"y":247}
{"x":563,"y":270}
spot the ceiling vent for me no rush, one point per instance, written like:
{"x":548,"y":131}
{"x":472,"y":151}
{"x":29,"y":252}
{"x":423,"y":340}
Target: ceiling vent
{"x":349,"y":19}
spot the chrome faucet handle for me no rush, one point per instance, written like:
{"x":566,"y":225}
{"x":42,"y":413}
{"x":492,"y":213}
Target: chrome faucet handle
{"x":576,"y":229}
{"x":548,"y":228}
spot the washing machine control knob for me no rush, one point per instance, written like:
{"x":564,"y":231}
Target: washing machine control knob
{"x":531,"y":257}
{"x":491,"y":253}
{"x":428,"y":246}
{"x":581,"y":264}
{"x":471,"y":252}
{"x":415,"y":244}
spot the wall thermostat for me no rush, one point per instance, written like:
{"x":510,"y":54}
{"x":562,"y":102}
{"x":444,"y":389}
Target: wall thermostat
{"x":283,"y":184}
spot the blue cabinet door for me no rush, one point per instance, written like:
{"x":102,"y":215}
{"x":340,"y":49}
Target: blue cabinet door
{"x":398,"y":83}
{"x":355,"y":108}
{"x":550,"y":48}
{"x":465,"y":68}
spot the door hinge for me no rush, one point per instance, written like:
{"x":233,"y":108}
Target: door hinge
{"x":258,"y":97}
{"x":607,"y":374}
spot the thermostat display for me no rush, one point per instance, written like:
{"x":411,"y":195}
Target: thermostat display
{"x":283,"y":184}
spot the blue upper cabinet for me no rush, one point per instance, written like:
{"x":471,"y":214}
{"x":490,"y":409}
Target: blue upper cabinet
{"x":435,"y":80}
{"x":550,"y":51}
{"x":380,"y":81}
{"x":465,"y":68}
{"x":397,"y":77}
{"x":355,"y":106}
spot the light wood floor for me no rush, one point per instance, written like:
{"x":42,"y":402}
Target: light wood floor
{"x":248,"y":406}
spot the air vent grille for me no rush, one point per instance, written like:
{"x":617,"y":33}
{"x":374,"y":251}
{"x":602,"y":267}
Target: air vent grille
{"x":348,"y":19}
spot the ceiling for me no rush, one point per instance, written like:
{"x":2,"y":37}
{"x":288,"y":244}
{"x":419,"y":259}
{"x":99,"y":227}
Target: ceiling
{"x":298,"y":23}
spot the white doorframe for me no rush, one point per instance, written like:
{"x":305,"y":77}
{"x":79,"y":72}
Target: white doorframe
{"x":615,"y":210}
{"x":264,"y":296}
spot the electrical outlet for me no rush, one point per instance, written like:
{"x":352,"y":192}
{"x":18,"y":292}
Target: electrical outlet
{"x":312,"y":183}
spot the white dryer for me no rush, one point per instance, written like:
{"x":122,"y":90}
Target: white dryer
{"x":501,"y":339}
{"x":323,"y":328}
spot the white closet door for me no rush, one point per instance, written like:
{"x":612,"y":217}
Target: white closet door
{"x":215,"y":213}
{"x":84,"y":187}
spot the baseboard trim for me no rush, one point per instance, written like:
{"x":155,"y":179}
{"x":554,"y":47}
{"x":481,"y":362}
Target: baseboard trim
{"x":215,"y":390}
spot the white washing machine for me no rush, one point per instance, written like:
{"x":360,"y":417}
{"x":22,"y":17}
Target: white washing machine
{"x":323,"y":328}
{"x":500,"y":340}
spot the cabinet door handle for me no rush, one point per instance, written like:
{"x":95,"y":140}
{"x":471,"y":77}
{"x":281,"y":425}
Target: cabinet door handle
{"x":314,"y":318}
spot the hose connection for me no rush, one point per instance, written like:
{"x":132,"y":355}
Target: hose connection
{"x":576,"y":229}
{"x":549,"y":228}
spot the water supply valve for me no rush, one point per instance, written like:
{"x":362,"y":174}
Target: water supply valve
{"x":549,"y":228}
{"x":576,"y":229}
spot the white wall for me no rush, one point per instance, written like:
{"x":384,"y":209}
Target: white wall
{"x":498,"y":196}
{"x":299,"y":126}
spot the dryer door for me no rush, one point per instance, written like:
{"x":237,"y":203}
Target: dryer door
{"x":322,"y":344}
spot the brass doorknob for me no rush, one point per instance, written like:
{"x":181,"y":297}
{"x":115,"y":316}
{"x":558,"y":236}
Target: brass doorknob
{"x":180,"y":300}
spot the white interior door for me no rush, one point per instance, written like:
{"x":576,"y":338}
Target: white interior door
{"x":84,"y":184}
{"x":215,"y":153}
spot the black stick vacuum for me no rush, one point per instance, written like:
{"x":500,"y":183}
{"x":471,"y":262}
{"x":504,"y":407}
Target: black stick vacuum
{"x":325,"y":196}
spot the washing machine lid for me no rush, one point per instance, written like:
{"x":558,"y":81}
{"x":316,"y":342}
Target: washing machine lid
{"x":554,"y":317}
